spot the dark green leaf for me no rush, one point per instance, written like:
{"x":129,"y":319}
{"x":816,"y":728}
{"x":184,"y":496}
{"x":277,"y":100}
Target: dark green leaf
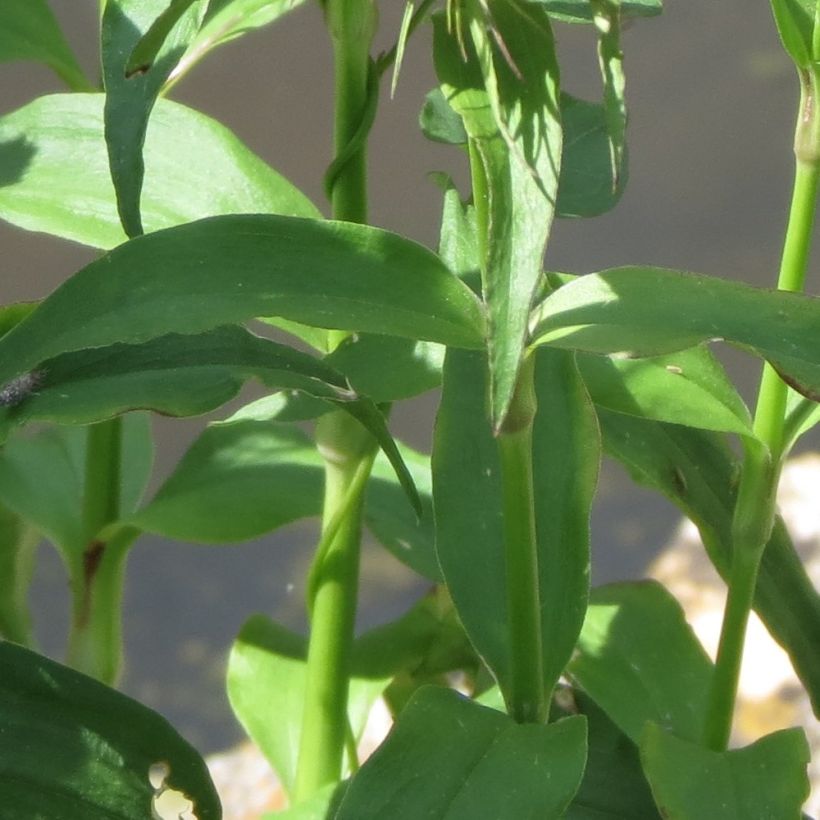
{"x":760,"y":782}
{"x":640,"y":661}
{"x":614,"y":786}
{"x":580,"y":11}
{"x":55,"y":170}
{"x":227,"y":269}
{"x":689,"y":387}
{"x":439,"y":122}
{"x":508,"y":102}
{"x":266,"y":688}
{"x":29,"y":31}
{"x":448,"y":757}
{"x":697,"y":471}
{"x":587,"y":186}
{"x":73,"y":748}
{"x":467,"y":501}
{"x":650,"y":311}
{"x":129,"y":96}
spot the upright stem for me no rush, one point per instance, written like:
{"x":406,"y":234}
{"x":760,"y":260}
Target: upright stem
{"x":755,"y":506}
{"x":527,"y":697}
{"x":347,"y":449}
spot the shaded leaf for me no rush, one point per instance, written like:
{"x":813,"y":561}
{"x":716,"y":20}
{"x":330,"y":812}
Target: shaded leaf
{"x":650,"y":311}
{"x":72,"y":747}
{"x":30,"y":31}
{"x":762,"y":781}
{"x":473,"y":762}
{"x":439,"y":122}
{"x":640,"y":661}
{"x":580,"y":11}
{"x":266,"y":687}
{"x":129,"y":96}
{"x":467,"y":502}
{"x":697,"y":470}
{"x":55,"y":168}
{"x":227,"y":269}
{"x":18,"y":542}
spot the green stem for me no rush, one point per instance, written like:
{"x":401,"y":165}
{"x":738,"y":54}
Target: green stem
{"x":348,"y":450}
{"x":333,"y":590}
{"x":94,"y":643}
{"x":755,"y":506}
{"x":527,"y":698}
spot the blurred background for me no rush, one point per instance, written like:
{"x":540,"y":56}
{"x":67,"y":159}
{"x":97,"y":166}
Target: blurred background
{"x":712,"y":101}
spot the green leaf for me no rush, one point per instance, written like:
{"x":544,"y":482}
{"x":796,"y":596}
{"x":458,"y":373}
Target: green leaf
{"x":689,"y":387}
{"x":697,"y":471}
{"x":802,"y":415}
{"x":29,"y":31}
{"x":18,"y":542}
{"x":796,"y":23}
{"x":580,"y":11}
{"x":321,"y":805}
{"x":439,"y":122}
{"x":73,"y":748}
{"x":467,"y":502}
{"x":458,"y":238}
{"x":388,"y":369}
{"x":448,"y":757}
{"x":639,"y":660}
{"x":42,"y":479}
{"x":587,"y":186}
{"x":266,"y":687}
{"x":174,"y":375}
{"x":650,"y":311}
{"x":228,"y":269}
{"x":130,"y":98}
{"x":194,"y":167}
{"x":508,"y":102}
{"x":147,"y":49}
{"x":226,"y":20}
{"x":614,"y":786}
{"x":762,"y":781}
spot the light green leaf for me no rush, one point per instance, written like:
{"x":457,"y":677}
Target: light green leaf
{"x":697,"y":470}
{"x":467,"y":502}
{"x":649,"y":311}
{"x":472,"y":761}
{"x":73,"y":748}
{"x":266,"y":688}
{"x":129,"y":99}
{"x":580,"y":11}
{"x":689,"y":387}
{"x":54,"y":163}
{"x":227,"y":269}
{"x":508,"y":102}
{"x":640,"y":661}
{"x":321,"y":805}
{"x":29,"y":31}
{"x":18,"y":542}
{"x":226,"y":20}
{"x":759,"y":782}
{"x":796,"y":23}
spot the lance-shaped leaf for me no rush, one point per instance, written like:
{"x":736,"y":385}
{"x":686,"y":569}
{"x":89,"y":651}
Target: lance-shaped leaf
{"x":689,"y":387}
{"x":473,"y":762}
{"x":697,"y":470}
{"x":506,"y":93}
{"x":54,"y":166}
{"x":29,"y":31}
{"x":229,"y":269}
{"x":621,"y":666}
{"x":266,"y":688}
{"x":650,"y":311}
{"x":581,"y":11}
{"x":241,"y":479}
{"x":226,"y":20}
{"x":129,"y":98}
{"x":467,"y":502}
{"x":765,"y":780}
{"x":72,"y":747}
{"x":18,"y":542}
{"x":797,"y":22}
